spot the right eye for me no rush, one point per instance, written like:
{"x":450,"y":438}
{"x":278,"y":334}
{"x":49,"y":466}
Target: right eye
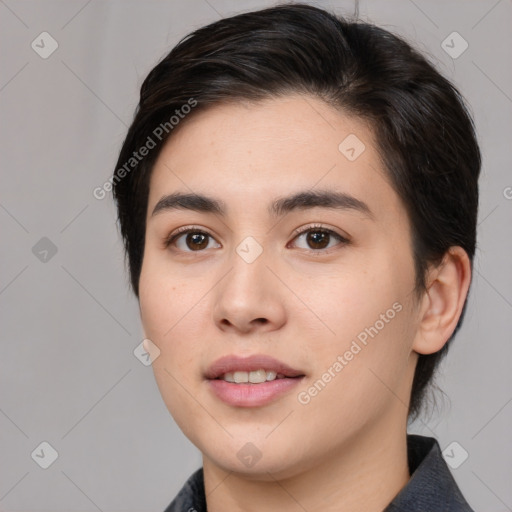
{"x":189,"y":239}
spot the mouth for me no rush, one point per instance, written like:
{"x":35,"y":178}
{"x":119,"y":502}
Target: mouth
{"x":251,"y":381}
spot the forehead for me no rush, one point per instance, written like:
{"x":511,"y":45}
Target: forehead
{"x":250,"y":153}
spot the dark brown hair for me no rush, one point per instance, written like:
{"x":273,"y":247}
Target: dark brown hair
{"x":423,"y":130}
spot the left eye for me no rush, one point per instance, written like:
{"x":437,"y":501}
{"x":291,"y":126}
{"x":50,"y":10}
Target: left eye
{"x":319,"y":238}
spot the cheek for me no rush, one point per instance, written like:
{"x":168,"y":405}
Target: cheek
{"x":356,"y":381}
{"x":164,"y":306}
{"x":162,"y":299}
{"x":173,"y":315}
{"x":353,"y":299}
{"x":368,"y":311}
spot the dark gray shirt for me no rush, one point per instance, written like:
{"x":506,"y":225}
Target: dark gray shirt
{"x":431,"y":487}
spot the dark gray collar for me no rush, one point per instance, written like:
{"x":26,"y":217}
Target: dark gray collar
{"x":431,"y":487}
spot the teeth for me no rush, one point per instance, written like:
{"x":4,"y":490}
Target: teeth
{"x":254,"y":377}
{"x":257,"y":377}
{"x":241,"y":377}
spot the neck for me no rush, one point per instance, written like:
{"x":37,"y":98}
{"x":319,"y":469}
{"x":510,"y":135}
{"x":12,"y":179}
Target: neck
{"x":362,"y":475}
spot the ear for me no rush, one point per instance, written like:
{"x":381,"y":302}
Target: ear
{"x":442,"y":303}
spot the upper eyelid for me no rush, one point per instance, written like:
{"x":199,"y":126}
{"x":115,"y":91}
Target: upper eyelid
{"x":320,"y":227}
{"x":297,"y":231}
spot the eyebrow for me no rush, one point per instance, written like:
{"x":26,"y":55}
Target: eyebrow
{"x":299,"y":201}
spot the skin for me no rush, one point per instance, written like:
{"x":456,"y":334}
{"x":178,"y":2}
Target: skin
{"x":303,"y":305}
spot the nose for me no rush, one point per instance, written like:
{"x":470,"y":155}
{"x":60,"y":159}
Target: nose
{"x":250,"y":297}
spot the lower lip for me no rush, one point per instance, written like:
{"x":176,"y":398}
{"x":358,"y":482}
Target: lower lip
{"x":252,"y":395}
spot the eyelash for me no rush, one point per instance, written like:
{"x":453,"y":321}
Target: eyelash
{"x":298,"y":232}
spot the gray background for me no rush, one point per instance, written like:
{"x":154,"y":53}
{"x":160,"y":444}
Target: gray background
{"x":69,"y":325}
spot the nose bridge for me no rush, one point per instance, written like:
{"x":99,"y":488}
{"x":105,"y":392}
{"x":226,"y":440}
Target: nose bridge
{"x":248,"y":276}
{"x":247,"y":292}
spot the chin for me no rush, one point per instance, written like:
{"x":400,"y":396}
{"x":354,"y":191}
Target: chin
{"x":273,"y":461}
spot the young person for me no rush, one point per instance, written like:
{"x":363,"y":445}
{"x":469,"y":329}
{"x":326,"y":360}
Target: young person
{"x":298,"y":198}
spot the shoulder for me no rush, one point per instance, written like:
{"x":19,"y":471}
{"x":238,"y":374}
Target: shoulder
{"x":431,"y":487}
{"x":191,"y":497}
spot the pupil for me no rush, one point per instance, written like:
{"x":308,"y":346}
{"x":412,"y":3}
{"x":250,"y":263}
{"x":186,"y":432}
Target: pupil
{"x":197,"y":239}
{"x":315,"y":238}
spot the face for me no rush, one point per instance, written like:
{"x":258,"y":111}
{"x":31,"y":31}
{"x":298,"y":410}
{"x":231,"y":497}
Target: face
{"x":316,"y":288}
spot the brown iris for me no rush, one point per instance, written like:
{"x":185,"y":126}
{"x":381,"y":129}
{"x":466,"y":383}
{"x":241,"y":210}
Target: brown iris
{"x":200,"y":240}
{"x":318,"y":239}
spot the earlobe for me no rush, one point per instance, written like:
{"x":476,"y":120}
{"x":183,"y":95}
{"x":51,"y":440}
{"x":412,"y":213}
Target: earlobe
{"x":442,"y":303}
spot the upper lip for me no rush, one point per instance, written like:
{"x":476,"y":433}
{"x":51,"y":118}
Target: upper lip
{"x":255,"y":362}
